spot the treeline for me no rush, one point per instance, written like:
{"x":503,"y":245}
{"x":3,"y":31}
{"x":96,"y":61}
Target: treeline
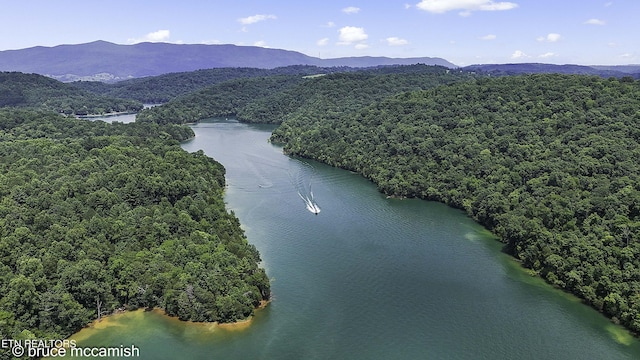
{"x":43,"y":93}
{"x":163,"y":88}
{"x":549,"y":163}
{"x":95,"y":217}
{"x":336,"y":95}
{"x":568,"y":69}
{"x":225,"y":99}
{"x":272,"y":99}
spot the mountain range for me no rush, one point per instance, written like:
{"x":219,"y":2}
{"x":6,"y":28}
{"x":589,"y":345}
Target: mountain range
{"x":109,"y":62}
{"x":105,"y":61}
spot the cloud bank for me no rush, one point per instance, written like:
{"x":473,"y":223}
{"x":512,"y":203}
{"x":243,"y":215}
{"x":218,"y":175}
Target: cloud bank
{"x":396,"y":41}
{"x":156,"y":36}
{"x":553,"y":37}
{"x":350,"y":35}
{"x":351,"y":10}
{"x":466,"y":6}
{"x":519,"y":54}
{"x":595,"y":22}
{"x":256,"y":18}
{"x":488,"y":37}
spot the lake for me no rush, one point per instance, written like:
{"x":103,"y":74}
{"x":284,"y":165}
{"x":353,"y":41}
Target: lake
{"x":368,"y":277}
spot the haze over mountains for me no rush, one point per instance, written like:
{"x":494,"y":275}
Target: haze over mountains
{"x":109,"y":62}
{"x":105,"y":61}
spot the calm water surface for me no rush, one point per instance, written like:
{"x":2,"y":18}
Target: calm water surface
{"x":366,"y":278}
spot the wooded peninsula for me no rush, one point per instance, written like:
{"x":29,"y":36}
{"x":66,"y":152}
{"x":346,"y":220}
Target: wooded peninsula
{"x":96,"y":217}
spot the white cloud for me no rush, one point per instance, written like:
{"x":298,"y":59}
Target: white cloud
{"x":351,"y":34}
{"x":396,"y":41}
{"x":553,"y":37}
{"x":156,"y":36}
{"x":595,"y":22}
{"x":518,"y":54}
{"x":488,"y":37}
{"x":323,"y":42}
{"x":630,"y":58}
{"x":329,"y":24}
{"x":351,"y":10}
{"x":547,"y":55}
{"x":256,"y":18}
{"x":159,"y":35}
{"x":467,"y":6}
{"x":261,"y":43}
{"x":361,"y":46}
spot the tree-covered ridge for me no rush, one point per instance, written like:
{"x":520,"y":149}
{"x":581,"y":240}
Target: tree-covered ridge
{"x":95,"y":217}
{"x":274,"y":98}
{"x":40,"y":92}
{"x":541,"y":68}
{"x":547,"y":162}
{"x":224,"y":99}
{"x":163,"y":88}
{"x":335,"y":95}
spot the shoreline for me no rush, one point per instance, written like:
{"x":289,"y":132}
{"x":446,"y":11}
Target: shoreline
{"x":111,"y":320}
{"x":616,"y":326}
{"x":111,"y":114}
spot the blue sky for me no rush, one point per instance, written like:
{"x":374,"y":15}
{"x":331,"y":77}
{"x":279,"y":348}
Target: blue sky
{"x":596,"y":32}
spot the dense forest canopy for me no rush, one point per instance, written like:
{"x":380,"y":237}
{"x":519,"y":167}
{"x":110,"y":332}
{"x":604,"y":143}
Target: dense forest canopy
{"x":95,"y":217}
{"x":43,"y":93}
{"x":547,"y":162}
{"x":162,"y":88}
{"x":224,"y":99}
{"x":541,"y":68}
{"x":274,"y":98}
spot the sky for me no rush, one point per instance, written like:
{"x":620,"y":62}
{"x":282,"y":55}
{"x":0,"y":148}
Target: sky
{"x":464,"y":32}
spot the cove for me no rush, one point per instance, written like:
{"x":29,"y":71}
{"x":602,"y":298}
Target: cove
{"x":366,"y":278}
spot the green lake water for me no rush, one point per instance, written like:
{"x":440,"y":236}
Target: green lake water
{"x":366,"y":278}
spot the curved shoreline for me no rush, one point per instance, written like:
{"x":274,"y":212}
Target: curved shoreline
{"x":111,"y":320}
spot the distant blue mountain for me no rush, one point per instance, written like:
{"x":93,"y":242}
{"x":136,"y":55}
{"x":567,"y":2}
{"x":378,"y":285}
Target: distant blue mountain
{"x":101,"y":60}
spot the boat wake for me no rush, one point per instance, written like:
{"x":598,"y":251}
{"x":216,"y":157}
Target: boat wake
{"x":310,"y":203}
{"x":300,"y":175}
{"x":302,"y":181}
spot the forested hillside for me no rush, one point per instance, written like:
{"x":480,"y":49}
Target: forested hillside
{"x":272,"y":99}
{"x":539,"y":68}
{"x":162,"y":88}
{"x":549,"y":163}
{"x":337,"y":95}
{"x":95,"y":217}
{"x":224,"y":99}
{"x":40,"y":92}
